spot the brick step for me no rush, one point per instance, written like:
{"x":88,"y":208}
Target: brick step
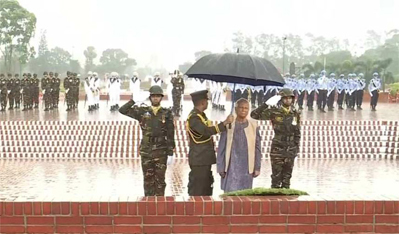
{"x":182,"y":127}
{"x":107,"y":143}
{"x":129,"y":149}
{"x":111,"y":155}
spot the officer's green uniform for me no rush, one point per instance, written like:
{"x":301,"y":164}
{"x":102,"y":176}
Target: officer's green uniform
{"x":68,"y":83}
{"x":17,"y":91}
{"x":75,"y":89}
{"x":285,"y":144}
{"x":3,"y":92}
{"x":157,"y":141}
{"x":34,"y":92}
{"x":10,"y":87}
{"x":56,"y":82}
{"x":201,"y":155}
{"x":47,"y":88}
{"x":177,"y":91}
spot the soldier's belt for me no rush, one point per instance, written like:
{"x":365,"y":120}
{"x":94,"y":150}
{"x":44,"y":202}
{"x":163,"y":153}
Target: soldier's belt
{"x":284,"y":138}
{"x":154,"y":139}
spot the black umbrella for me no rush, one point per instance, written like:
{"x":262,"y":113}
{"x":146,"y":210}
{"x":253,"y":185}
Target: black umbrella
{"x":236,"y":68}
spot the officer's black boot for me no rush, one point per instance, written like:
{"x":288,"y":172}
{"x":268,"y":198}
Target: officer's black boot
{"x":359,"y":108}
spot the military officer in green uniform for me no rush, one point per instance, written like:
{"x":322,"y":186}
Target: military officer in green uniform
{"x":56,"y":82}
{"x":157,"y":141}
{"x":3,"y":92}
{"x":17,"y":91}
{"x":285,"y":144}
{"x":34,"y":92}
{"x":10,"y":87}
{"x":75,"y":88}
{"x":202,"y":155}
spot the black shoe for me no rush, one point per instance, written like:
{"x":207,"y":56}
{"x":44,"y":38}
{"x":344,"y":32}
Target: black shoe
{"x":322,"y":111}
{"x":330,"y":109}
{"x":340,"y":108}
{"x":353,"y":109}
{"x":46,"y":109}
{"x":359,"y":108}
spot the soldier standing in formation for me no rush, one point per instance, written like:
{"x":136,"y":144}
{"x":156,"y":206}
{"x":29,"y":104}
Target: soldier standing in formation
{"x":10,"y":88}
{"x":361,"y":84}
{"x":56,"y":82}
{"x":68,"y":86}
{"x":374,"y":89}
{"x":17,"y":92}
{"x":3,"y":92}
{"x":134,"y":85}
{"x":177,"y":92}
{"x":157,"y":141}
{"x":34,"y":99}
{"x":46,"y":90}
{"x":202,"y":151}
{"x":285,"y":144}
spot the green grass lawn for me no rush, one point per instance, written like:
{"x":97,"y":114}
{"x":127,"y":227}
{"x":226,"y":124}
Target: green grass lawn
{"x":266,"y":192}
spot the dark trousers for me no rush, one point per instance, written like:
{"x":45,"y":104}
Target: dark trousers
{"x":310,"y":99}
{"x":301,"y":97}
{"x":359,"y":98}
{"x":322,"y":99}
{"x":340,"y":100}
{"x":352,"y":99}
{"x":200,"y":181}
{"x":330,"y":99}
{"x":237,"y":95}
{"x":282,"y":168}
{"x":374,"y":98}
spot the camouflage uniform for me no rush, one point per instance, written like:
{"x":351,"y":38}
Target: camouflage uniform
{"x":17,"y":92}
{"x":156,"y":144}
{"x":285,"y":144}
{"x":3,"y":92}
{"x":202,"y":149}
{"x":75,"y":89}
{"x":68,"y":82}
{"x":10,"y":87}
{"x":25,"y":87}
{"x":47,"y":88}
{"x":56,"y":82}
{"x":34,"y":92}
{"x":177,"y":91}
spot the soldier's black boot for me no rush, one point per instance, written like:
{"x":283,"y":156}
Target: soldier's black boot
{"x":340,"y":107}
{"x":36,"y":105}
{"x":68,"y":108}
{"x":359,"y":108}
{"x":10,"y":108}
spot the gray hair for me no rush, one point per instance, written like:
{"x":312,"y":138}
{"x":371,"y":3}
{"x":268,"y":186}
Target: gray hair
{"x":241,"y":100}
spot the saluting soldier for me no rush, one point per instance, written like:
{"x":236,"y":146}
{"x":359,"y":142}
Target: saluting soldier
{"x":157,"y":141}
{"x":285,"y":144}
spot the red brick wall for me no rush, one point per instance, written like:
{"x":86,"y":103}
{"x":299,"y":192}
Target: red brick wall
{"x":206,"y":215}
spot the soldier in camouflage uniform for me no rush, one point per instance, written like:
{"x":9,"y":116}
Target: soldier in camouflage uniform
{"x":34,"y":91}
{"x":157,"y":141}
{"x":25,"y":91}
{"x":46,"y":90}
{"x":75,"y":86}
{"x":68,"y":82}
{"x":56,"y":82}
{"x":177,"y":92}
{"x":17,"y":92}
{"x":285,"y":144}
{"x":10,"y":87}
{"x":3,"y":92}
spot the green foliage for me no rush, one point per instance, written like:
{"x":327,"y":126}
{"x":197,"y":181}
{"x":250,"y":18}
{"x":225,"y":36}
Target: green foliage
{"x":115,"y":60}
{"x":393,"y":89}
{"x":266,"y":192}
{"x":17,"y":27}
{"x":184,"y":67}
{"x":90,"y":54}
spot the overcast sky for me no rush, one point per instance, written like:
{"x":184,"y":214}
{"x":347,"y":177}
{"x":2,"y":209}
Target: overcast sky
{"x":163,"y":33}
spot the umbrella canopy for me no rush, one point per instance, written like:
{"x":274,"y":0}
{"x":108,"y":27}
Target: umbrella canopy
{"x":236,"y":68}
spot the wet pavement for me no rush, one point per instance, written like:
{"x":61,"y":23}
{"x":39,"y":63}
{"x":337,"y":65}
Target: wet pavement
{"x":385,"y":111}
{"x":105,"y":180}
